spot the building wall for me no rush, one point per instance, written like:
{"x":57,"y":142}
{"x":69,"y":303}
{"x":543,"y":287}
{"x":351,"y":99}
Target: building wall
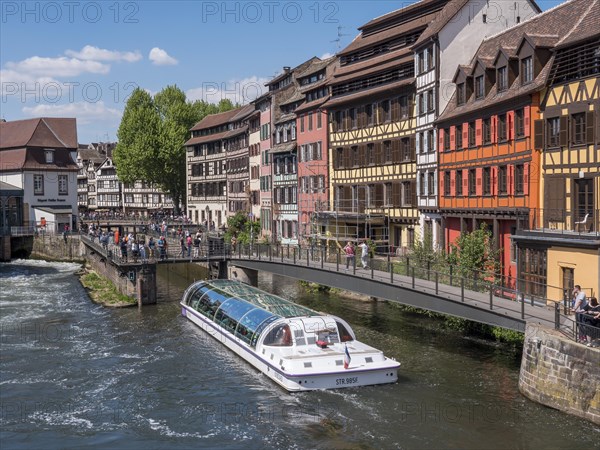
{"x":584,"y":262}
{"x":461,"y":37}
{"x":314,"y":168}
{"x":266,"y":213}
{"x":560,"y":373}
{"x":254,"y":139}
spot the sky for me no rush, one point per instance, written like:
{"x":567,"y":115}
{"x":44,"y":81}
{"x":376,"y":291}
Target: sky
{"x":82,"y":59}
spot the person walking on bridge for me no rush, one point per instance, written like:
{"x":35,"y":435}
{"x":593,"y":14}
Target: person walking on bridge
{"x":349,"y":251}
{"x":364,"y":256}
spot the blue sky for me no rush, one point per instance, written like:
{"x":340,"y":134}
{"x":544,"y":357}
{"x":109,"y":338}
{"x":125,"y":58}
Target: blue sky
{"x":82,"y":59}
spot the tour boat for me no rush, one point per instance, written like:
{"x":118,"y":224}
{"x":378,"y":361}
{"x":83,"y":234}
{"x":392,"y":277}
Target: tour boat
{"x":296,"y":347}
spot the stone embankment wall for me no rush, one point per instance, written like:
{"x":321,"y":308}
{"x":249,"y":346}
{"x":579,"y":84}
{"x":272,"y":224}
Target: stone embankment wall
{"x":560,"y":373}
{"x":54,"y":247}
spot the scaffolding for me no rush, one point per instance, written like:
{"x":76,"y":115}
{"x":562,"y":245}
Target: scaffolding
{"x":333,"y":228}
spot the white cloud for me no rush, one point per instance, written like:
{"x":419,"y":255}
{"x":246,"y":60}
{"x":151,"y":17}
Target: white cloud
{"x":160,"y":57}
{"x":91,"y":53}
{"x":326,"y":55}
{"x":85,"y":112}
{"x":57,"y":67}
{"x":23,"y":86}
{"x":238,"y":91}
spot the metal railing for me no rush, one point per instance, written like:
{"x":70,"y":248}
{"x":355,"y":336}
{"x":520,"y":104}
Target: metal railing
{"x":564,"y":221}
{"x":449,"y":285}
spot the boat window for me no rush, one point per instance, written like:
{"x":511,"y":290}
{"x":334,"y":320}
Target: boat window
{"x":252,"y":323}
{"x":345,"y":335}
{"x":328,"y":336}
{"x":279,"y":336}
{"x":310,"y":340}
{"x":214,"y":299}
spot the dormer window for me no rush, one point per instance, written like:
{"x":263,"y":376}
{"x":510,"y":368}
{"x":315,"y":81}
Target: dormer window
{"x":49,"y":154}
{"x":502,"y":79}
{"x":479,"y":87}
{"x":460,"y":94}
{"x":527,"y":70}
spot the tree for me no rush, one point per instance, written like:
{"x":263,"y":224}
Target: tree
{"x":152,"y":135}
{"x":242,"y":227}
{"x":474,"y":256}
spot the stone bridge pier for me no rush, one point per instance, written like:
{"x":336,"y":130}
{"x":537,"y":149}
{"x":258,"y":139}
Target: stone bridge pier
{"x":243,"y":274}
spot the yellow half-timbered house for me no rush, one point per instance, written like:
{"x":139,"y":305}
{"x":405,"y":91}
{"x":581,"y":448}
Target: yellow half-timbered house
{"x":563,"y":246}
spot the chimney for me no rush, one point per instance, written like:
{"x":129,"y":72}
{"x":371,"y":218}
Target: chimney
{"x":286,"y":69}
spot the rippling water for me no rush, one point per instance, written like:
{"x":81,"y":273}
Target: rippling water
{"x":76,"y":374}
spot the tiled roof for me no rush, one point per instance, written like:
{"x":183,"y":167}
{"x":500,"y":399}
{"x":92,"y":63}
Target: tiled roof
{"x":398,"y":14}
{"x":49,"y":132}
{"x":558,"y":20}
{"x":315,"y":67}
{"x":90,"y":154}
{"x":442,"y":18}
{"x":364,"y":41}
{"x":285,"y":118}
{"x":244,"y":112}
{"x":298,"y":69}
{"x":587,"y":27}
{"x":207,"y":138}
{"x":381,"y":64}
{"x":283,"y":148}
{"x":35,"y":159}
{"x":376,"y":92}
{"x":311,"y":105}
{"x":214,"y":120}
{"x":296,"y":97}
{"x":235,"y":132}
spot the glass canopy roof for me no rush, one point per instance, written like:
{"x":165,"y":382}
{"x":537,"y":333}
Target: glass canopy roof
{"x":243,"y":310}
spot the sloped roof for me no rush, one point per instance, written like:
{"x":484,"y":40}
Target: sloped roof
{"x":214,"y":120}
{"x":557,"y":20}
{"x":52,"y":132}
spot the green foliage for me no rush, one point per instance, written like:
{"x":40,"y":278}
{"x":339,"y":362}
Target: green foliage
{"x":314,"y":288}
{"x":423,"y":251}
{"x":102,"y":290}
{"x":509,"y":336}
{"x":473,"y":253}
{"x":152,"y":135}
{"x":244,"y":229}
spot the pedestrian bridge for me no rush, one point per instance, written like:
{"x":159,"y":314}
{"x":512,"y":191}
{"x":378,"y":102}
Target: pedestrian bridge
{"x":481,"y":302}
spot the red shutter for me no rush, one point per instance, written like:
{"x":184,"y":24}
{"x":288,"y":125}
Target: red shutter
{"x":441,"y":140}
{"x":479,"y":181}
{"x":453,"y":183}
{"x":510,"y":171}
{"x":510,"y":125}
{"x":452,"y":137}
{"x":465,"y":182}
{"x":494,"y":125}
{"x":527,"y":120}
{"x":478,"y":132}
{"x":526,"y":179}
{"x":465,"y":135}
{"x":494,"y":181}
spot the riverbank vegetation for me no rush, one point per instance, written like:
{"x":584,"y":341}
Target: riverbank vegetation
{"x":102,"y":290}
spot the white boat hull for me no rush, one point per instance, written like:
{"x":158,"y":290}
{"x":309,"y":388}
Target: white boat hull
{"x":385,"y":372}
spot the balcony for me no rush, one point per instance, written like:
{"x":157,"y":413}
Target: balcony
{"x":579,"y":223}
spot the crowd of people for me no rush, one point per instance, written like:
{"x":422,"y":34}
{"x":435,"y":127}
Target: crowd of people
{"x":587,"y":314}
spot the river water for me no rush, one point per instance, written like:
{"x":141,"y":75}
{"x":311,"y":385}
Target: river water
{"x":76,"y":374}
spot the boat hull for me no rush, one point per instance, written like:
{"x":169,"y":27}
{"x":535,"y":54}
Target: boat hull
{"x":385,"y":373}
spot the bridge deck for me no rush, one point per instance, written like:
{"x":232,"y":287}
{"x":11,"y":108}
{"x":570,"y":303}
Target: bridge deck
{"x":486,"y":307}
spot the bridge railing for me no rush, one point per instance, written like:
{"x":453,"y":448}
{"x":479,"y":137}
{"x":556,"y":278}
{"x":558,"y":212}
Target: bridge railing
{"x":483,"y":293}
